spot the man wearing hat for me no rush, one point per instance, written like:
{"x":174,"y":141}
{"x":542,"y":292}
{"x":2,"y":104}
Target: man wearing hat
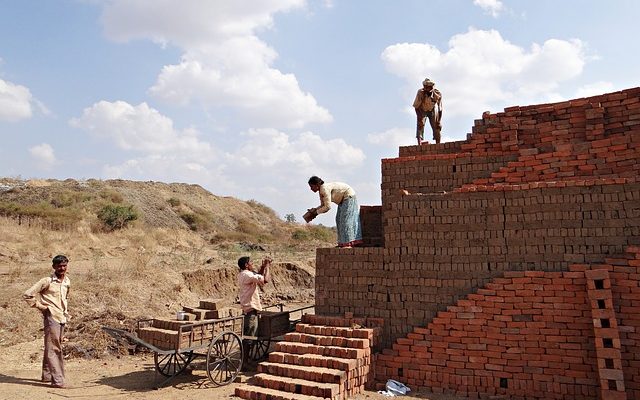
{"x":428,"y":104}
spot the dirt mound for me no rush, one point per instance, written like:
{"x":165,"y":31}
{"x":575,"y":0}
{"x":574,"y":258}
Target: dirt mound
{"x":212,"y":283}
{"x":289,"y":282}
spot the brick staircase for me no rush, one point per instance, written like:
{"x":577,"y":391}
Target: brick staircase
{"x":326,"y":357}
{"x":585,"y":323}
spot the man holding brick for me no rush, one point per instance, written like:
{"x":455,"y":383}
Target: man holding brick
{"x":248,"y":282}
{"x":50,"y":296}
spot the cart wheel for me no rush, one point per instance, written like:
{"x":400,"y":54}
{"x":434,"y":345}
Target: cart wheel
{"x":224,"y":358}
{"x":258,"y":349}
{"x":173,"y":363}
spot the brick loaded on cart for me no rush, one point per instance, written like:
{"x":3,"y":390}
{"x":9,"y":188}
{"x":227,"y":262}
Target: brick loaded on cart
{"x":211,"y":331}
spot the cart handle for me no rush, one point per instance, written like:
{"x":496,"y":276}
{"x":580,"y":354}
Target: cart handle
{"x":280,"y":306}
{"x":120,"y":333}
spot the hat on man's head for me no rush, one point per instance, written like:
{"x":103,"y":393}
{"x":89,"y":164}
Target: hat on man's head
{"x":428,"y":82}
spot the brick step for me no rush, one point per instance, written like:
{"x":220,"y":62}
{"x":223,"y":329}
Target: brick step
{"x":341,"y":322}
{"x":315,"y":360}
{"x":329,"y":351}
{"x":320,"y":340}
{"x":298,"y":386}
{"x":249,"y":392}
{"x":316,"y":374}
{"x":358,"y":333}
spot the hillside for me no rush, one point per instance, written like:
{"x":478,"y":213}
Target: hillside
{"x":181,"y":246}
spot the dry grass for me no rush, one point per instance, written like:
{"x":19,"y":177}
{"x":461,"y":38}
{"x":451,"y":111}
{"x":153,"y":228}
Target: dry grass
{"x":126,"y":275}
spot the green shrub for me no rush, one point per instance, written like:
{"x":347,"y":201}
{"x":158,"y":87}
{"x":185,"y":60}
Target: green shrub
{"x":173,"y":202}
{"x":114,"y":216}
{"x":196,"y":221}
{"x":69,"y":198}
{"x":301,"y":235}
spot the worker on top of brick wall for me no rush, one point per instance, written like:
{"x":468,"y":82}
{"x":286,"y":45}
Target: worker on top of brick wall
{"x":428,"y":104}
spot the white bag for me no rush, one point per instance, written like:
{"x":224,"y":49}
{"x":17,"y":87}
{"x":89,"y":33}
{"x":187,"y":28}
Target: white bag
{"x":397,"y":388}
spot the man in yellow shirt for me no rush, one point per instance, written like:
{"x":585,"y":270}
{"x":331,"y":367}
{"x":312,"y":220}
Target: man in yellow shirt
{"x":428,"y":104}
{"x":50,"y":295}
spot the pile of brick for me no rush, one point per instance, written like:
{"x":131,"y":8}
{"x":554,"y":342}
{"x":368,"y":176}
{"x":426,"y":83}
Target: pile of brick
{"x":532,"y":191}
{"x":533,"y":335}
{"x":201,"y":324}
{"x":211,"y":309}
{"x":326,"y":357}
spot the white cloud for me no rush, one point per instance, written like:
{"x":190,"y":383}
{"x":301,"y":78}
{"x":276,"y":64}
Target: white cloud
{"x":328,"y":3}
{"x":237,"y":74}
{"x":482,"y":71}
{"x":224,"y":63}
{"x":393,"y":138}
{"x":308,"y":151}
{"x":190,"y":23}
{"x":493,"y":7}
{"x":140,"y":128}
{"x":595,"y":89}
{"x":15,"y":102}
{"x":43,"y":154}
{"x":275,"y":166}
{"x":268,"y":165}
{"x":178,"y":167}
{"x":266,"y":159}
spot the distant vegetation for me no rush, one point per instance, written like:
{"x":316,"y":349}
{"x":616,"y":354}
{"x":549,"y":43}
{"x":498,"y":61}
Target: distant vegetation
{"x":114,"y":216}
{"x":49,"y":214}
{"x":314,"y":232}
{"x":106,"y":206}
{"x":262,"y":208}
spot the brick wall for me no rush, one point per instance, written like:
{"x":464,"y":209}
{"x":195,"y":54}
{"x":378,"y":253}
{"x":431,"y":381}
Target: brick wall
{"x":534,"y":335}
{"x":372,"y":230}
{"x":439,"y":248}
{"x":532,"y":190}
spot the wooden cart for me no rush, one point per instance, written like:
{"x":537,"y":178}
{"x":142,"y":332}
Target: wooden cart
{"x":176,"y":344}
{"x":273,"y":322}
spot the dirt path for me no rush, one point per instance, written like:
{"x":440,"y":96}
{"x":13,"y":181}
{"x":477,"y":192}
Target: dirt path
{"x":130,"y":377}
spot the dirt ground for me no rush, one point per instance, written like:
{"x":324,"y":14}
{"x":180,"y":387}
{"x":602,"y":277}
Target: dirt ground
{"x":126,"y":377}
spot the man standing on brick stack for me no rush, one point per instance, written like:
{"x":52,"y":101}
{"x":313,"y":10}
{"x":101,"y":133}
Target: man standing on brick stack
{"x":50,"y":296}
{"x":428,"y":104}
{"x":248,"y":282}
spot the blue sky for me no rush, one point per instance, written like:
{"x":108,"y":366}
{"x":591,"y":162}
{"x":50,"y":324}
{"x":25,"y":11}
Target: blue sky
{"x":250,"y":98}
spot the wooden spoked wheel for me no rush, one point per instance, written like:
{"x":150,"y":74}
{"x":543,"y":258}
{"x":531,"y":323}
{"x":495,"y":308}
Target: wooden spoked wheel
{"x":224,"y":358}
{"x":173,"y":363}
{"x":258,"y":349}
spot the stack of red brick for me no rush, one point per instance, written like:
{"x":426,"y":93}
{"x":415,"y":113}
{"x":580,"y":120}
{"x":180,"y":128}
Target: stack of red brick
{"x":202,"y":323}
{"x":532,"y":335}
{"x":571,"y":140}
{"x":211,"y":309}
{"x":531,"y":191}
{"x":326,"y":357}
